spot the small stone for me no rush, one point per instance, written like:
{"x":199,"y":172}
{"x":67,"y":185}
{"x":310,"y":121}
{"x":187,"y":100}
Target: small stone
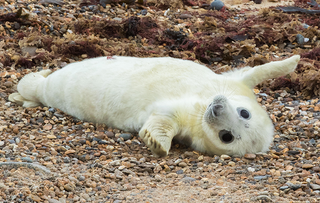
{"x":157,"y":168}
{"x":2,"y":185}
{"x":104,"y":2}
{"x":188,"y":154}
{"x":96,"y":139}
{"x":257,"y":1}
{"x":110,"y":134}
{"x":284,"y":187}
{"x":53,"y":201}
{"x":294,"y":186}
{"x":225,"y":157}
{"x":315,"y":186}
{"x":264,"y":198}
{"x":216,"y":5}
{"x":312,"y":141}
{"x":100,"y":136}
{"x":1,"y":143}
{"x":188,"y":179}
{"x":316,"y":169}
{"x":182,"y":164}
{"x":118,"y":174}
{"x":15,"y":129}
{"x":35,"y":198}
{"x":115,"y":163}
{"x":179,"y":171}
{"x":300,"y":39}
{"x":11,"y":141}
{"x":110,"y":147}
{"x":66,"y":159}
{"x":51,"y":136}
{"x":305,"y":25}
{"x":144,"y":12}
{"x":166,"y":168}
{"x":69,"y":187}
{"x":27,"y":159}
{"x":17,"y":140}
{"x":307,"y":166}
{"x":250,"y":156}
{"x":250,"y":169}
{"x":231,"y":163}
{"x":52,"y":110}
{"x":158,"y":177}
{"x":8,"y":84}
{"x":117,"y":19}
{"x":47,"y":127}
{"x":260,"y":177}
{"x":178,"y":161}
{"x":81,"y":178}
{"x":264,"y":193}
{"x":185,"y":16}
{"x":126,"y":136}
{"x":86,"y":197}
{"x":71,"y":151}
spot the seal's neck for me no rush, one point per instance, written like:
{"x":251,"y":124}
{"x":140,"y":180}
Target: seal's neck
{"x":190,"y":118}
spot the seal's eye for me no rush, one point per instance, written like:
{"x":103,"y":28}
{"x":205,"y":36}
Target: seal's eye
{"x":244,"y":113}
{"x":226,"y":136}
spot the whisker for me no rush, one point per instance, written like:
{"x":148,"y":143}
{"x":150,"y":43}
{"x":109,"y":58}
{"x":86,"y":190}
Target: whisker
{"x":231,"y":93}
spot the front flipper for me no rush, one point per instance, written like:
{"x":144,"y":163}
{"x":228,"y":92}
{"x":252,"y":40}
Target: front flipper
{"x":158,"y":132}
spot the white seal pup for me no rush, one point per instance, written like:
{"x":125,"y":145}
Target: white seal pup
{"x":162,"y":98}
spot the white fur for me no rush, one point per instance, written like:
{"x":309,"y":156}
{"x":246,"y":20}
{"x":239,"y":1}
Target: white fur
{"x":161,"y":97}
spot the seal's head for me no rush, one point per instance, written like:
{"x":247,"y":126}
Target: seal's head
{"x":234,"y":122}
{"x":237,"y":126}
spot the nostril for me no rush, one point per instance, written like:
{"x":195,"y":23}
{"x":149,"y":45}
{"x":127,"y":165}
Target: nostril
{"x":226,"y":136}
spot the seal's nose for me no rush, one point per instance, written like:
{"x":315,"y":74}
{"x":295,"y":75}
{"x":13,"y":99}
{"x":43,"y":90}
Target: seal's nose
{"x":219,"y":99}
{"x":217,"y":109}
{"x":218,"y":105}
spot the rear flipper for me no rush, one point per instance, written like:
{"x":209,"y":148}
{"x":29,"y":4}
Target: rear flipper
{"x":20,"y":100}
{"x":27,"y":89}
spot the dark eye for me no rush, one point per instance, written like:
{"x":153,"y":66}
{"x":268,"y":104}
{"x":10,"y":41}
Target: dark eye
{"x":226,"y":136}
{"x":244,"y":113}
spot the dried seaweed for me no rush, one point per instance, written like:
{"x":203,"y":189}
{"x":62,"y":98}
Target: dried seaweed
{"x":88,"y":2}
{"x":164,"y":4}
{"x":283,"y":82}
{"x":306,"y":77}
{"x":306,"y":4}
{"x":313,"y":54}
{"x":194,"y":2}
{"x":79,"y":48}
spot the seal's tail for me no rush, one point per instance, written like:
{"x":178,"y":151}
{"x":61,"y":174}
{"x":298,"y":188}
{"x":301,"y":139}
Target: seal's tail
{"x":27,"y":89}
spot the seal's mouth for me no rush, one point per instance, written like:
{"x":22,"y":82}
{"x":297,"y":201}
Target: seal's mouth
{"x":226,"y":136}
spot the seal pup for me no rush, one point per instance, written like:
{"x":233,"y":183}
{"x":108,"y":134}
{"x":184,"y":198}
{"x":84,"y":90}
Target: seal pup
{"x":162,"y":98}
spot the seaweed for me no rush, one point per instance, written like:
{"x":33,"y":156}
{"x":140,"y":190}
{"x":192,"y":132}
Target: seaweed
{"x":79,"y":48}
{"x":131,"y":26}
{"x":313,"y":54}
{"x":88,"y":2}
{"x":178,"y":37}
{"x":25,"y":62}
{"x":144,"y":27}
